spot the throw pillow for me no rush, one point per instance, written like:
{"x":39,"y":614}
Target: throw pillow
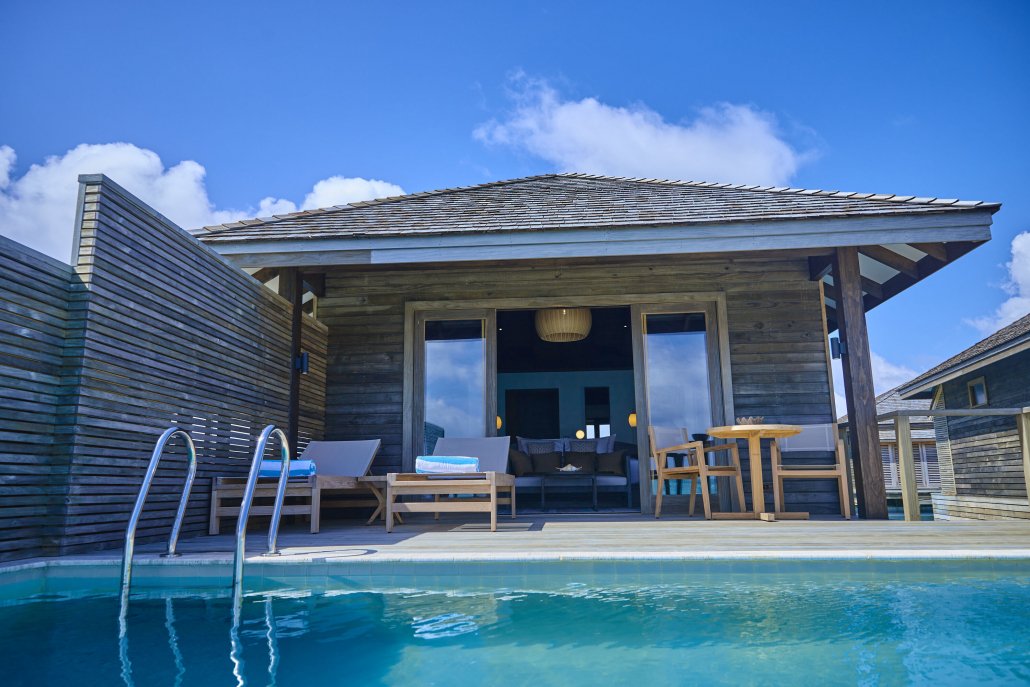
{"x":537,"y":447}
{"x":583,"y":445}
{"x":521,"y":464}
{"x":546,"y":462}
{"x":586,"y":461}
{"x":611,"y":463}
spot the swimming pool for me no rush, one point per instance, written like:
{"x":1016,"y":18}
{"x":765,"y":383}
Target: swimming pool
{"x":527,"y":623}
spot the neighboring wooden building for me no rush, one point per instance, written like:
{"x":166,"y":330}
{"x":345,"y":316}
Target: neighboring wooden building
{"x":924,"y":446}
{"x":982,"y":471}
{"x":713,"y":301}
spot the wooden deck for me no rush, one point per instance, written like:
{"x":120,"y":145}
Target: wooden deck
{"x":460,"y":537}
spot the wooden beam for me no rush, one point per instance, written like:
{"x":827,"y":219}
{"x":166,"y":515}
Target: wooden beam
{"x":871,"y":300}
{"x":858,"y":387}
{"x":935,"y":250}
{"x":315,"y":283}
{"x":906,"y":468}
{"x":1023,"y":424}
{"x":265,"y":274}
{"x":291,"y":288}
{"x":891,"y":259}
{"x":819,"y":266}
{"x":873,"y":288}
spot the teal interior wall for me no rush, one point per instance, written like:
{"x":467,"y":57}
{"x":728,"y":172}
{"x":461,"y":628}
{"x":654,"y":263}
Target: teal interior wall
{"x":570,"y":387}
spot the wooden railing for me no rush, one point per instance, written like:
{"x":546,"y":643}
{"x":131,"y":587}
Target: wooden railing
{"x":906,"y":461}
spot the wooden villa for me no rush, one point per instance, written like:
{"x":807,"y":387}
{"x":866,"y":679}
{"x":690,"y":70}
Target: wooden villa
{"x":434,"y":314}
{"x":709,"y":302}
{"x":983,"y":461}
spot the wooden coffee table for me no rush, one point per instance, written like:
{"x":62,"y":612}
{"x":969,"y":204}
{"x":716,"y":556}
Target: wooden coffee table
{"x":558,"y":477}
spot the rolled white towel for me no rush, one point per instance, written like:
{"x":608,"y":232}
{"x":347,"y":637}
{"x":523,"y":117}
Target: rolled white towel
{"x":446,"y":464}
{"x":298,"y":468}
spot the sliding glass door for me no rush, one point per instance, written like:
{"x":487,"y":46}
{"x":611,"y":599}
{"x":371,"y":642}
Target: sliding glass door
{"x":679,"y":394}
{"x":679,"y":375}
{"x":455,"y":368}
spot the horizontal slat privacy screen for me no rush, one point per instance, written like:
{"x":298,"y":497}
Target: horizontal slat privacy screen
{"x":158,"y":330}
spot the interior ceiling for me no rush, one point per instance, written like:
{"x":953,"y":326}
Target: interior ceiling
{"x":609,"y":346}
{"x":887,"y":270}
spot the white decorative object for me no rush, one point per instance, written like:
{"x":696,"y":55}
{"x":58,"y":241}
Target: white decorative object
{"x":562,"y":325}
{"x":568,"y":468}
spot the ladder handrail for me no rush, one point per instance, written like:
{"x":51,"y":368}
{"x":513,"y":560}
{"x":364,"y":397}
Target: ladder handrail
{"x":248,"y":497}
{"x":148,"y":478}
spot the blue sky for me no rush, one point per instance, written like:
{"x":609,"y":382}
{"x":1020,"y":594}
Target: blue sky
{"x":259,"y":101}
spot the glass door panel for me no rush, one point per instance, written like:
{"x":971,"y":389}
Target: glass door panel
{"x":678,"y":381}
{"x":455,"y":380}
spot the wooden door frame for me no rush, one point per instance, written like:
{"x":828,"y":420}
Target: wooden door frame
{"x":720,"y":380}
{"x":414,"y":413}
{"x":712,"y":303}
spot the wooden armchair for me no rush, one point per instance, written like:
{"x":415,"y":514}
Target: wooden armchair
{"x":666,"y":441}
{"x":818,"y":440}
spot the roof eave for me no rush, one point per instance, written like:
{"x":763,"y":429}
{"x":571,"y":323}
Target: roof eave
{"x":924,"y":388}
{"x":968,"y":225}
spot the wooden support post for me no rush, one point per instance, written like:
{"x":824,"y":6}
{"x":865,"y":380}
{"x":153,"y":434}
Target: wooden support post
{"x":858,"y":386}
{"x":1023,"y":421}
{"x":906,"y":468}
{"x":291,"y":287}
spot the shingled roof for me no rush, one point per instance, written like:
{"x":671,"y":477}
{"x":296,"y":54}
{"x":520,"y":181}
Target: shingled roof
{"x":1005,"y":339}
{"x":572,"y":201}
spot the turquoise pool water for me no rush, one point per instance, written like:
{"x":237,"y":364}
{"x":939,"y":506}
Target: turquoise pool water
{"x":913,"y":624}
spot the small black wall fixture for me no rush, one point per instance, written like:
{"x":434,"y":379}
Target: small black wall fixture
{"x":837,"y":348}
{"x":301,"y":362}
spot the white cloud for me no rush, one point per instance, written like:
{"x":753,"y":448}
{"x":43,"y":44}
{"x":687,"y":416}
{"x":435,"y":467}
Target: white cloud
{"x":339,"y":190}
{"x":1017,"y":286}
{"x":725,"y":142}
{"x":886,"y":376}
{"x":38,"y":208}
{"x":7,"y":158}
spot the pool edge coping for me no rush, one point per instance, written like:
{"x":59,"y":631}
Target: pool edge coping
{"x":793,"y":555}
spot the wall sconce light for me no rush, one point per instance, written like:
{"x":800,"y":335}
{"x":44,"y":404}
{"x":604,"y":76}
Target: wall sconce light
{"x":632,"y":420}
{"x":580,"y":434}
{"x":499,"y":423}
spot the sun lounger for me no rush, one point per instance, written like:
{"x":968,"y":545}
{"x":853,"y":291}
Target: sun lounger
{"x":477,"y":492}
{"x":340,"y":467}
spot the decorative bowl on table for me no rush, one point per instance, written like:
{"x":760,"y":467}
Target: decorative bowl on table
{"x":703,"y":438}
{"x":568,"y":468}
{"x":753,"y":420}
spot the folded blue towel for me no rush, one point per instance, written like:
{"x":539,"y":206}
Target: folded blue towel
{"x":446,"y":464}
{"x":298,"y":468}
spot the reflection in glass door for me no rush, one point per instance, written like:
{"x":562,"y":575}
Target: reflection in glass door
{"x":678,"y":383}
{"x":679,"y":376}
{"x":455,"y":375}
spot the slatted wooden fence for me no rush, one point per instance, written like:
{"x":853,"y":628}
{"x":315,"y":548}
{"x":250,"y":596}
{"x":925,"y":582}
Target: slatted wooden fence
{"x":158,"y":331}
{"x":33,"y":316}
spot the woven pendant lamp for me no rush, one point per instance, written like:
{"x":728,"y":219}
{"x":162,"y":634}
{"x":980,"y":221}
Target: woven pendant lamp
{"x":562,"y":325}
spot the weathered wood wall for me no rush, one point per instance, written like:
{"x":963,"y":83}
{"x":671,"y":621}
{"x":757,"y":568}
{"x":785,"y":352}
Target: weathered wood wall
{"x":985,"y":453}
{"x":33,"y":315}
{"x":159,"y":330}
{"x":777,"y":350}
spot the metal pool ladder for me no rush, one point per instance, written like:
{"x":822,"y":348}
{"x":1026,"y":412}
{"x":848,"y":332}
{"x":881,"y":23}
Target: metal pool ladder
{"x":130,"y":531}
{"x":248,"y":497}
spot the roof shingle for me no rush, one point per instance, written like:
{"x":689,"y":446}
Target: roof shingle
{"x":568,"y":201}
